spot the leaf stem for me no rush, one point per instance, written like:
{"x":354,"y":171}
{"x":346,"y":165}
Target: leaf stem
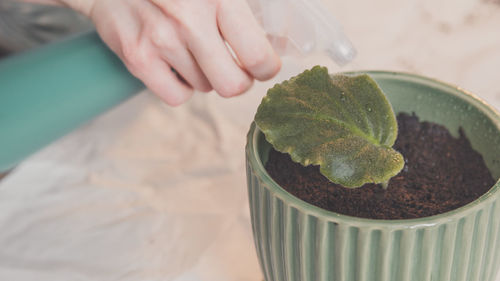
{"x":385,"y":185}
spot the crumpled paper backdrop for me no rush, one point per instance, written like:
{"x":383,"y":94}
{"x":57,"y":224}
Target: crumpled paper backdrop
{"x":148,"y":192}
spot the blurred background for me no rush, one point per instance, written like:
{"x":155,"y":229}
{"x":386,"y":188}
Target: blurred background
{"x":25,"y":25}
{"x":149,"y":192}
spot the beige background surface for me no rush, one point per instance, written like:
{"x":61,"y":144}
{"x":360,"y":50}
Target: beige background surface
{"x":148,"y":192}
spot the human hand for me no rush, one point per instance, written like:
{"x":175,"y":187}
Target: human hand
{"x":152,"y":37}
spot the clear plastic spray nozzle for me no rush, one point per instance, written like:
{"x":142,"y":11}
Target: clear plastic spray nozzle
{"x":302,"y":27}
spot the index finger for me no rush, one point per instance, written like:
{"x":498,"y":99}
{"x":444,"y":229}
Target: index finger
{"x":247,"y":39}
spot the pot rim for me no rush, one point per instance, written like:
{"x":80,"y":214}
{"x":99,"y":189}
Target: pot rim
{"x":254,"y":134}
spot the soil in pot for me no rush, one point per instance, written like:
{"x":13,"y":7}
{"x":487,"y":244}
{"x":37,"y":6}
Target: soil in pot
{"x":441,"y":173}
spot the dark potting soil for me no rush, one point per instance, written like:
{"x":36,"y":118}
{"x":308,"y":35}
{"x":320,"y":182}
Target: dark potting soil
{"x":441,"y":173}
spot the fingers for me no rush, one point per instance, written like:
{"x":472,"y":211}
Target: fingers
{"x":202,"y":38}
{"x":166,"y":85}
{"x":183,"y":62}
{"x":123,"y":31}
{"x":211,"y":53}
{"x":144,"y":63}
{"x":171,"y":49}
{"x":245,"y":36}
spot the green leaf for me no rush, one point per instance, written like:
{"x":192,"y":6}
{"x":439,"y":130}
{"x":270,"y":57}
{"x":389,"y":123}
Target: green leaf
{"x":343,"y":123}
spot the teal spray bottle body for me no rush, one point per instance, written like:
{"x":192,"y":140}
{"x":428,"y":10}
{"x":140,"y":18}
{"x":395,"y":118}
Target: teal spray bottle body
{"x":48,"y":91}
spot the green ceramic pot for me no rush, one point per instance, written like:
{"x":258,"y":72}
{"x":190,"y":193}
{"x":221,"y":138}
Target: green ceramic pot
{"x":298,"y":241}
